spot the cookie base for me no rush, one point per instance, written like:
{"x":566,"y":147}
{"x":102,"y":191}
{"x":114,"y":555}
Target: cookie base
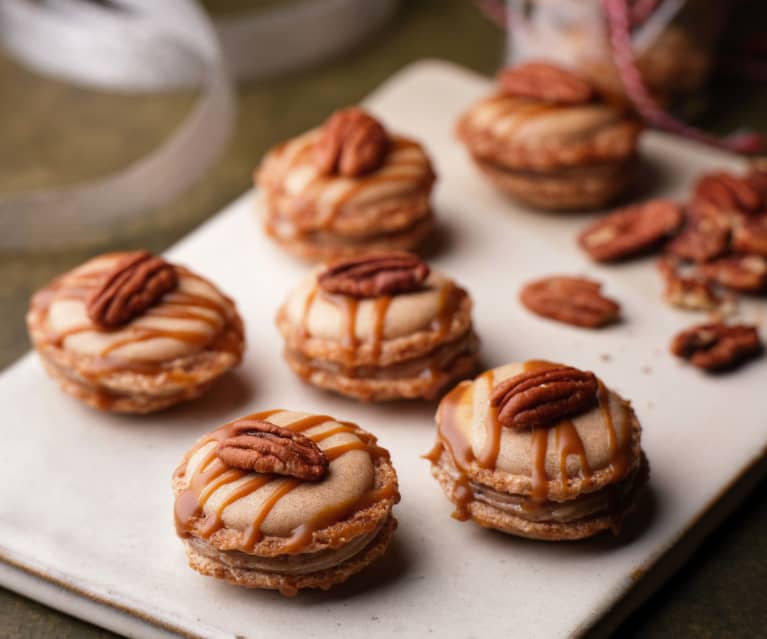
{"x":289,"y":585}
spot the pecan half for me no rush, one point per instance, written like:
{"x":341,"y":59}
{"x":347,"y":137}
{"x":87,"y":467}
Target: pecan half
{"x":717,"y":346}
{"x":631,"y":230}
{"x":703,"y":237}
{"x":352,"y":143}
{"x":729,"y":192}
{"x":135,"y":284}
{"x":263,"y":447}
{"x":547,"y":82}
{"x":750,"y":236}
{"x":572,"y":300}
{"x":375,"y":274}
{"x":690,"y":292}
{"x":746,"y":273}
{"x":544,"y":397}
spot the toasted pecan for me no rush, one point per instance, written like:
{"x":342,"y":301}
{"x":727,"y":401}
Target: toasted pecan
{"x":544,"y":397}
{"x":631,"y":230}
{"x":717,"y":346}
{"x":263,"y":447}
{"x":136,"y":283}
{"x":546,"y":82}
{"x":572,"y":300}
{"x":352,"y":143}
{"x":745,"y":273}
{"x":375,"y":274}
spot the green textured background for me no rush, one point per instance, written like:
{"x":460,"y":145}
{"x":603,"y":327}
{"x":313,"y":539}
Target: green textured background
{"x":53,"y":134}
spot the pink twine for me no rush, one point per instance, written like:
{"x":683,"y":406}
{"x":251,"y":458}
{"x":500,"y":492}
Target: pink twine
{"x":623,"y":53}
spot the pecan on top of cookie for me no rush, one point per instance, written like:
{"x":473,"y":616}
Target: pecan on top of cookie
{"x":544,"y":397}
{"x":546,"y":82}
{"x":351,"y":143}
{"x":375,"y":274}
{"x":134,"y":285}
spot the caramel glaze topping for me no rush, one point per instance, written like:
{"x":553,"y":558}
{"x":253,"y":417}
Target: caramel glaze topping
{"x":212,"y":474}
{"x":402,"y":166}
{"x":178,"y":304}
{"x":563,"y":435}
{"x":348,"y":306}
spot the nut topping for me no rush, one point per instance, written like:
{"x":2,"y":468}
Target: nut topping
{"x":374,"y":275}
{"x":729,"y":192}
{"x":747,"y":273}
{"x":572,"y":300}
{"x":547,"y":82}
{"x":630,"y":230}
{"x":135,"y":284}
{"x":352,"y":143}
{"x":717,"y":346}
{"x":544,"y":397}
{"x":263,"y":447}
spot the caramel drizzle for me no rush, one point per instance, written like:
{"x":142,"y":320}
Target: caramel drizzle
{"x":311,"y":191}
{"x":213,"y":474}
{"x":565,"y":437}
{"x":178,"y":305}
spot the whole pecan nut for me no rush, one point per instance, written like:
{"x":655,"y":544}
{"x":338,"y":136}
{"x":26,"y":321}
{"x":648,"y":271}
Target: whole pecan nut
{"x":631,"y":230}
{"x":375,"y":274}
{"x":547,"y":82}
{"x":729,"y":192}
{"x":351,"y":143}
{"x":135,"y":284}
{"x":263,"y":447}
{"x":717,"y":346}
{"x":544,"y":397}
{"x":747,"y":273}
{"x":572,"y":300}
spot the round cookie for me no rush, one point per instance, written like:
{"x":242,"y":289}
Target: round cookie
{"x":379,"y":344}
{"x":106,"y":348}
{"x":320,"y":211}
{"x":567,"y":477}
{"x":276,"y":526}
{"x":551,"y":149}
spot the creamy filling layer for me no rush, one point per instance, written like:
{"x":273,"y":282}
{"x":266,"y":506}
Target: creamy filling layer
{"x":428,"y":365}
{"x":294,"y":564}
{"x":600,"y":502}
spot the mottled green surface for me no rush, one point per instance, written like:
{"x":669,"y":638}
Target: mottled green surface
{"x":55,"y":134}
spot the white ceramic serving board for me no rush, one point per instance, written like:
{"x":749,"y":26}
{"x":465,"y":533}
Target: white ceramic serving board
{"x":85,"y":498}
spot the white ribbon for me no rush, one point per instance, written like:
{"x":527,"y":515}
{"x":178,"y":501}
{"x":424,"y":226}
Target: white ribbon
{"x":150,"y":45}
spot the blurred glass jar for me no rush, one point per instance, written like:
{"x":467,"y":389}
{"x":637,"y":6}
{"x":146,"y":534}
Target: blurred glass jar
{"x":673,"y":41}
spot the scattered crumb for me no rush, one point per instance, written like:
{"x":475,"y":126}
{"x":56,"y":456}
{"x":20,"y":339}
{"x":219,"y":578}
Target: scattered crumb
{"x":637,"y":574}
{"x":605,"y":357}
{"x":646,"y":370}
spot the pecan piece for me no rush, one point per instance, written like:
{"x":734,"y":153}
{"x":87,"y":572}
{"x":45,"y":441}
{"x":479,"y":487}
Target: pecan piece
{"x":630,"y":230}
{"x":135,"y":284}
{"x":352,"y":143}
{"x":544,"y":397}
{"x":375,"y":274}
{"x":688,"y":292}
{"x":263,"y":447}
{"x":717,"y":346}
{"x":703,"y":237}
{"x":746,"y":273}
{"x":750,"y":236}
{"x":729,"y":192}
{"x":572,"y":300}
{"x":547,"y":82}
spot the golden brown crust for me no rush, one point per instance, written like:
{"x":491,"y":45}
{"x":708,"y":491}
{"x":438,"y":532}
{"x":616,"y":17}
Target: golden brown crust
{"x":336,"y":535}
{"x":491,"y":517}
{"x":291,"y":584}
{"x":587,"y":187}
{"x":137,"y":391}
